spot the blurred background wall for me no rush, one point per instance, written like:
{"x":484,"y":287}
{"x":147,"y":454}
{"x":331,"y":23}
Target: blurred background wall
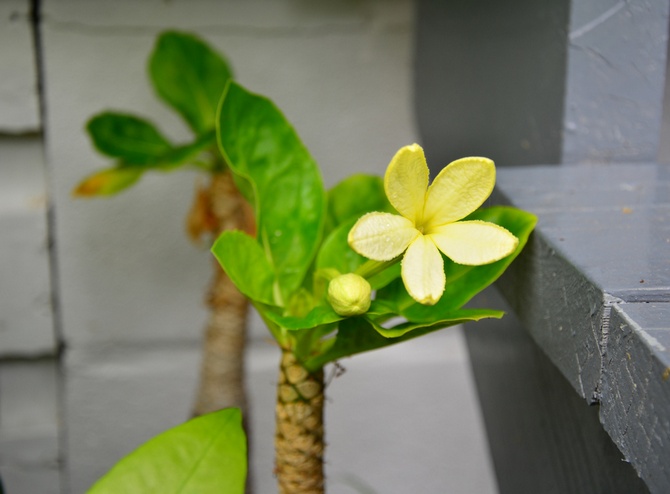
{"x":568,"y":82}
{"x":101,"y":301}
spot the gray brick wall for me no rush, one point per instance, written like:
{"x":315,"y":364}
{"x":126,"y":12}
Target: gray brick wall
{"x":29,"y":411}
{"x":130,"y":286}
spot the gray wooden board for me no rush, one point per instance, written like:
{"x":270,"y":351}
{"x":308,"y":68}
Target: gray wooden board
{"x":636,"y":382}
{"x":598,"y":256}
{"x":614,"y":79}
{"x":543,"y":437}
{"x":509,"y":103}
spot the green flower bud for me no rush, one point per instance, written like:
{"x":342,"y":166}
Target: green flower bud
{"x":349,"y":294}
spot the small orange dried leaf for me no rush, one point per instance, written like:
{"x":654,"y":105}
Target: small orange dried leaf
{"x":201,"y":220}
{"x":107,"y":182}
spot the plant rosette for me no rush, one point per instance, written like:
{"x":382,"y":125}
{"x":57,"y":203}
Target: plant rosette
{"x":188,"y":76}
{"x":367,"y":264}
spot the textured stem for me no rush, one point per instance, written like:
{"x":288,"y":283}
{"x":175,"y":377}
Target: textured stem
{"x":222,"y":369}
{"x":217,"y":208}
{"x":299,"y":444}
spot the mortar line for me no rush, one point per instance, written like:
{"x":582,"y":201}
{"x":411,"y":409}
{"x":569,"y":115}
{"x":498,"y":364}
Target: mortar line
{"x":54,"y":278}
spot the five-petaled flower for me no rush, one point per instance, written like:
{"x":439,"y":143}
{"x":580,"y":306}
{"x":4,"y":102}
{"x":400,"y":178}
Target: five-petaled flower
{"x":429,"y":221}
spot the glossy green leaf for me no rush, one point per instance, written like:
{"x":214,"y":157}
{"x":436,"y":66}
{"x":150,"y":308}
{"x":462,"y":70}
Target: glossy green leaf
{"x":302,"y":301}
{"x":189,"y":76}
{"x":442,"y":321}
{"x":464,"y":282}
{"x":107,"y":182}
{"x":360,"y":334}
{"x":318,"y":316}
{"x":205,"y":455}
{"x":185,"y":154}
{"x":245,"y":263}
{"x":335,"y":253}
{"x":354,"y":196}
{"x":264,"y":152}
{"x":388,"y":275}
{"x":131,"y":139}
{"x":113,"y":180}
{"x":354,"y":335}
{"x":395,"y":295}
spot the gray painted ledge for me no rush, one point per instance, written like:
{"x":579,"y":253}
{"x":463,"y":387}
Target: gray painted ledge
{"x":593,"y":290}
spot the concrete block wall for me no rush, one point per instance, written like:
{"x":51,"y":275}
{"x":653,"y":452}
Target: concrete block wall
{"x":29,"y":415}
{"x":26,"y":325}
{"x":615,"y":80}
{"x":129,"y":286}
{"x":18,"y":86}
{"x":333,"y":70}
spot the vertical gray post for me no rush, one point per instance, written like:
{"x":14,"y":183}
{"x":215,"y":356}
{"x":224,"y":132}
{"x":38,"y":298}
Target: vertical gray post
{"x":544,"y":81}
{"x":540,"y":82}
{"x":490,"y":79}
{"x":614,"y":80}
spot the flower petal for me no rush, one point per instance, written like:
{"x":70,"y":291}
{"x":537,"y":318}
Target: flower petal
{"x":474,"y":242}
{"x":460,"y":188}
{"x":422,"y":271}
{"x":381,"y":236}
{"x":406,"y":181}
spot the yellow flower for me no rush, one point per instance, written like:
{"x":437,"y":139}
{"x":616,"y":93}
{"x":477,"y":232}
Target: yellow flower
{"x":429,"y":221}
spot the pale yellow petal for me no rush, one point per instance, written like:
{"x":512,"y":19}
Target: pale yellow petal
{"x":460,"y":188}
{"x":381,"y":236}
{"x":474,"y":242}
{"x":422,"y":271}
{"x":406,"y":181}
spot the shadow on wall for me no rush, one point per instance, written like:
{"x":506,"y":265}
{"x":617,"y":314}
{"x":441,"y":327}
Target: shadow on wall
{"x":495,"y":84}
{"x":664,"y":145}
{"x":491,"y":85}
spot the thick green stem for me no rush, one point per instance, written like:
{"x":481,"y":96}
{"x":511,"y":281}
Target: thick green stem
{"x":299,"y":444}
{"x":370,"y":268}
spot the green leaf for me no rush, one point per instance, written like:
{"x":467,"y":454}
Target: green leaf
{"x":354,"y":196}
{"x":205,"y":455}
{"x":347,"y":202}
{"x":464,"y":282}
{"x":189,"y":76}
{"x":336,"y":253}
{"x":439,"y":321}
{"x":113,"y":180}
{"x":265,"y":153}
{"x":318,"y":316}
{"x":245,"y":263}
{"x":360,"y":334}
{"x":107,"y":182}
{"x":354,"y":335}
{"x":388,"y":275}
{"x":133,"y":140}
{"x":186,"y":153}
{"x":300,"y":304}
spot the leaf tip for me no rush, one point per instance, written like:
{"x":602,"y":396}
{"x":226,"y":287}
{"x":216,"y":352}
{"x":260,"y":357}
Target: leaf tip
{"x":88,"y":188}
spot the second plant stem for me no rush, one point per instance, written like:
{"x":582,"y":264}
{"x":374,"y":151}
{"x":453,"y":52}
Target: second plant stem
{"x":221,"y":207}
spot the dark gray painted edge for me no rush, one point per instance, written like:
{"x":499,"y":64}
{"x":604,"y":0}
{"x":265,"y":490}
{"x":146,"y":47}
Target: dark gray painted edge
{"x":564,"y":312}
{"x":600,"y":349}
{"x":635,"y":402}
